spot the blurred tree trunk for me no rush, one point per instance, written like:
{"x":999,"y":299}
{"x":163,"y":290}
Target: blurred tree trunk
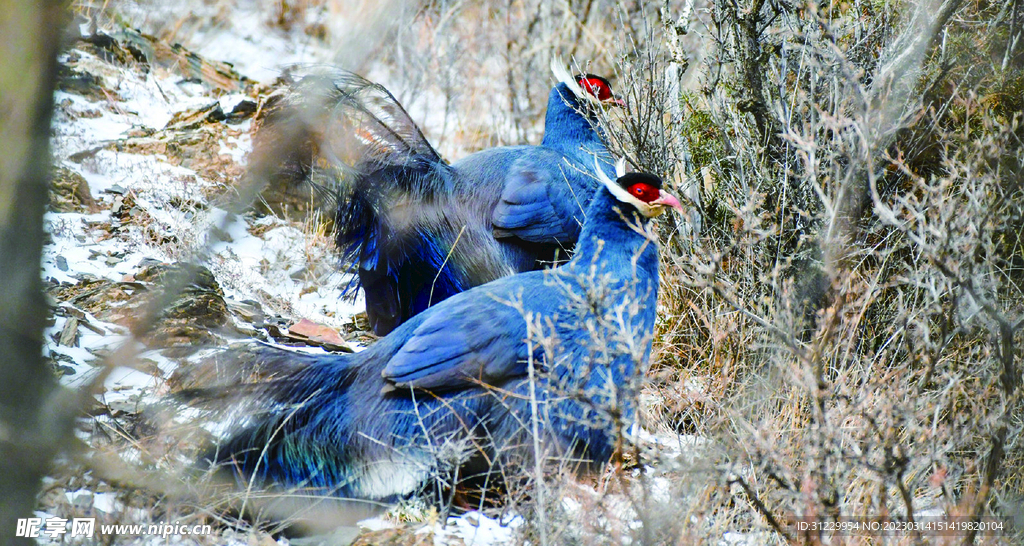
{"x":32,"y":423}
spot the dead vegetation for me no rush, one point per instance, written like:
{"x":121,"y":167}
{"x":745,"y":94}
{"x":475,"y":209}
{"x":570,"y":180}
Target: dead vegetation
{"x":852,"y":303}
{"x":841,"y":311}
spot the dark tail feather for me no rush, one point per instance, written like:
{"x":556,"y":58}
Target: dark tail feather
{"x":243,"y":374}
{"x":327,"y":124}
{"x":383,"y":303}
{"x":270,"y":399}
{"x":267,"y":466}
{"x":358,"y":145}
{"x":339,"y":132}
{"x":397,"y":222}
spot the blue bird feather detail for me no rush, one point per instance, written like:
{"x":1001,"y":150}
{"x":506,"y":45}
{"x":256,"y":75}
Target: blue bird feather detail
{"x":417,"y":229}
{"x":379,"y":424}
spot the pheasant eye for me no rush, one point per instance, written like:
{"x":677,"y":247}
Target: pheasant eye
{"x":597,"y":88}
{"x":644,"y":192}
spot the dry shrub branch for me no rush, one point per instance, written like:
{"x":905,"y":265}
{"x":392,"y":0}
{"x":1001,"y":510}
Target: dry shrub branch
{"x":851,"y":301}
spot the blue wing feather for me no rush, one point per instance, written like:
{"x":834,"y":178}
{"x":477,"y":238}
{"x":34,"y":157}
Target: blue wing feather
{"x":539,"y":203}
{"x":477,"y":340}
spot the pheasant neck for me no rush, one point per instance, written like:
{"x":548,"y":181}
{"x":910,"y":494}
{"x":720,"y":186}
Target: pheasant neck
{"x":617,"y":235}
{"x":565,"y":126}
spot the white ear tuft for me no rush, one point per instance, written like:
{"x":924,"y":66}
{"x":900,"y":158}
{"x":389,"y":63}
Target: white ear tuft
{"x":603,"y":178}
{"x":560,"y":72}
{"x":620,"y":167}
{"x":619,"y":192}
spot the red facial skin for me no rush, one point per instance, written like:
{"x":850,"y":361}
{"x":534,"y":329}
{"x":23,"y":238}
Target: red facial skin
{"x":598,"y":88}
{"x":644,"y":192}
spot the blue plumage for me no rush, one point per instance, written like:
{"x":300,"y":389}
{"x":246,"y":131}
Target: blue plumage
{"x":449,"y":388}
{"x":421,"y":230}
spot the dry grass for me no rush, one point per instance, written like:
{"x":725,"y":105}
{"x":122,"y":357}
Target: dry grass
{"x":855,"y":286}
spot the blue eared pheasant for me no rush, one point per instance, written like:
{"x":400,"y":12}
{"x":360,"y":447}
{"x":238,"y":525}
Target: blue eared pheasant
{"x":450,"y":389}
{"x":418,"y":229}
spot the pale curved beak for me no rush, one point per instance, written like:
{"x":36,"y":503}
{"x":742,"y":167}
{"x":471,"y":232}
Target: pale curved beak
{"x":666,"y":199}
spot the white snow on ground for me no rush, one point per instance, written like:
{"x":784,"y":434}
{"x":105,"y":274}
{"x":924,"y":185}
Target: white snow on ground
{"x":237,"y":32}
{"x":268,"y":268}
{"x":245,"y":266}
{"x":104,"y":502}
{"x":476,"y":529}
{"x":472,"y":528}
{"x":256,"y":51}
